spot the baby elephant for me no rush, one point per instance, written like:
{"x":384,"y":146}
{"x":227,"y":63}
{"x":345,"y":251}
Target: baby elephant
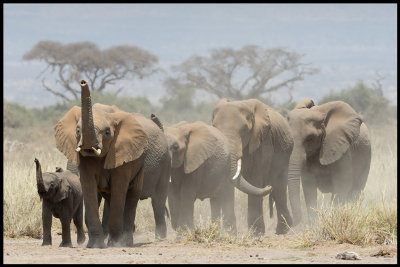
{"x":62,"y":197}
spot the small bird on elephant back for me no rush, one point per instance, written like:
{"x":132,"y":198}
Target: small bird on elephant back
{"x":61,"y":196}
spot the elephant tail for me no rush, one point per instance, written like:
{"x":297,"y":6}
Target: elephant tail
{"x":166,"y":211}
{"x":155,"y":119}
{"x":271,"y":206}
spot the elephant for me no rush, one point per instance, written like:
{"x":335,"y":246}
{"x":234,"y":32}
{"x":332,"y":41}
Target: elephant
{"x":201,"y":168}
{"x":261,"y":142}
{"x":61,"y":196}
{"x":108,"y":149}
{"x":332,"y":152}
{"x":157,"y":164}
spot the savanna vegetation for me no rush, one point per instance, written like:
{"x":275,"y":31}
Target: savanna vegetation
{"x":28,"y":134}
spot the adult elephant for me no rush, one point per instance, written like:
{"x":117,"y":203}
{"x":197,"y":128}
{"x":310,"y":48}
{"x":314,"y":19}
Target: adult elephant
{"x":108,"y":149}
{"x":261,"y":142}
{"x":157,"y":164}
{"x":332,"y":152}
{"x":201,"y":168}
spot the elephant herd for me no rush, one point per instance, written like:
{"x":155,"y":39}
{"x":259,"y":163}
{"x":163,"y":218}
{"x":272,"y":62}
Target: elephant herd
{"x":123,"y":157}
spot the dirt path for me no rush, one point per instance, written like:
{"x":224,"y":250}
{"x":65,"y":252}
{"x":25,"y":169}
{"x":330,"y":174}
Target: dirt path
{"x":147,"y":250}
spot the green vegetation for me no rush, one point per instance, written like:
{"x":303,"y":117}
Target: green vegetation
{"x":367,"y":101}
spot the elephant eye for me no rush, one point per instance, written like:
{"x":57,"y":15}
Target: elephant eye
{"x":108,"y":132}
{"x":175,"y":146}
{"x":78,"y":131}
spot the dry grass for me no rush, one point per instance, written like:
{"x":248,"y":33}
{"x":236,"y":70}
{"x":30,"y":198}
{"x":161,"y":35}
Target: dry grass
{"x":372,"y":220}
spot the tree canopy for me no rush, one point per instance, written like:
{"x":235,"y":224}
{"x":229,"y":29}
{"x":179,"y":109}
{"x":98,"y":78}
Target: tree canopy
{"x":249,"y":72}
{"x":84,"y":60}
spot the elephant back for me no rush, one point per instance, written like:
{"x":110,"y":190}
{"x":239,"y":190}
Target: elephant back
{"x":155,"y":154}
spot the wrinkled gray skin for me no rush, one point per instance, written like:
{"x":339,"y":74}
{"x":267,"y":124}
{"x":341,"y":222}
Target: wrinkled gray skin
{"x":108,"y":148}
{"x":201,"y":168}
{"x":157,"y":164}
{"x":332,"y":152}
{"x":261,"y":137}
{"x":61,"y":196}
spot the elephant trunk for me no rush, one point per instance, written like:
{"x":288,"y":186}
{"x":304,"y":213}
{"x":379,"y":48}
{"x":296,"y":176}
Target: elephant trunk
{"x":297,"y":159}
{"x":39,"y":178}
{"x":235,"y":145}
{"x":240,"y":183}
{"x":89,"y":139}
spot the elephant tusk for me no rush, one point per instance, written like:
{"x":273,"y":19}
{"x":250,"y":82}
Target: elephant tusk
{"x":239,"y":166}
{"x":97,"y":151}
{"x":170,"y":179}
{"x":78,"y":149}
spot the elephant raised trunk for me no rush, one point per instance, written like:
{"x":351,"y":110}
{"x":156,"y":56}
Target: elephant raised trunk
{"x":89,"y":139}
{"x":39,"y":178}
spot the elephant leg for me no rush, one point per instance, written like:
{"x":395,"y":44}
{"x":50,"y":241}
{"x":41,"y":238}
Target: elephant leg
{"x":215,"y":208}
{"x":123,"y":209}
{"x":227,"y":203}
{"x":104,"y":221}
{"x":280,"y":198}
{"x":342,"y":178}
{"x":159,"y":216}
{"x":90,"y":198}
{"x":47,"y":220}
{"x":188,"y":197}
{"x":309,"y":185}
{"x":255,"y":218}
{"x":66,"y":231}
{"x":78,"y":221}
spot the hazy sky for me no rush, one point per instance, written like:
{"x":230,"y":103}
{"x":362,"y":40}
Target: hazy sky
{"x":347,"y":42}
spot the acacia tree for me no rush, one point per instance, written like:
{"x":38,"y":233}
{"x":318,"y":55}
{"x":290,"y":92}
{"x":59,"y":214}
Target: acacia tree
{"x":101,"y":68}
{"x":249,"y":72}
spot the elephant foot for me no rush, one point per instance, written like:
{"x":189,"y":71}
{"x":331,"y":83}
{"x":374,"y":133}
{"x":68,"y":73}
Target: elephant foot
{"x":258,"y":232}
{"x":81,"y":239}
{"x":95,"y":244}
{"x":162,"y":234}
{"x":282,"y":229}
{"x":66,"y":244}
{"x":121,"y":243}
{"x":46,"y":243}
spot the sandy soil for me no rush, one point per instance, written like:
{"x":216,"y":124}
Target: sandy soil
{"x":168,"y":251}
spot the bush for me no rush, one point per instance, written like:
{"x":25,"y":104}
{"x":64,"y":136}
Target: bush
{"x":16,"y":116}
{"x":367,"y":101}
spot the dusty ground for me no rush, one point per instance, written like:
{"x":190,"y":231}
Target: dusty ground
{"x":148,"y":250}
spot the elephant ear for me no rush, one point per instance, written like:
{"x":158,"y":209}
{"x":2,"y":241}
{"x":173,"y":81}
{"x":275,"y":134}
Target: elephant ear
{"x":261,"y":124}
{"x":63,"y":190}
{"x":201,"y":145}
{"x":342,"y":127}
{"x":129,"y":143}
{"x":65,"y":134}
{"x":305,"y":103}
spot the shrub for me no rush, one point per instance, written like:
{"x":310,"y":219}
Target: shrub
{"x":365,"y":100}
{"x":16,"y":116}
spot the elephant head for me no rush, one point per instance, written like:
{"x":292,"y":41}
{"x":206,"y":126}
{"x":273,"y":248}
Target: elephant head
{"x":50,"y":185}
{"x":100,"y":131}
{"x":191,"y":144}
{"x":322,"y":132}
